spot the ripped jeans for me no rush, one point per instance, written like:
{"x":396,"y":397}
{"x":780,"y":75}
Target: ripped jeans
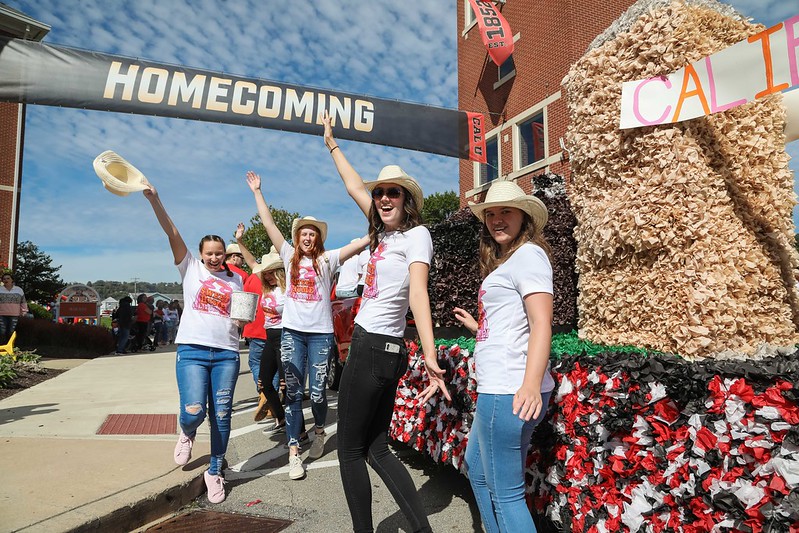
{"x":299,"y":351}
{"x":206,"y":381}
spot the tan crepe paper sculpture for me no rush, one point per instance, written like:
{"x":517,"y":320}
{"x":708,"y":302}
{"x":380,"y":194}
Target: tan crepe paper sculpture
{"x":685,"y":236}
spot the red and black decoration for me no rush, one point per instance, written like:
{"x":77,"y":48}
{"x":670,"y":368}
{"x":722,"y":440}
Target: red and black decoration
{"x":494,"y":30}
{"x":640,"y":442}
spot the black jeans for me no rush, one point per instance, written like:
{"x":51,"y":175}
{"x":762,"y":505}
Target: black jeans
{"x":365,"y":405}
{"x":270,"y":365}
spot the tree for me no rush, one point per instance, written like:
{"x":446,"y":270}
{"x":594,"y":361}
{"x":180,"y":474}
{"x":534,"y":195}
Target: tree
{"x":255,"y":238}
{"x":35,"y":274}
{"x":439,"y":206}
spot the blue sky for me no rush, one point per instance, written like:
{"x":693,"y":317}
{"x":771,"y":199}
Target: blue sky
{"x":406,"y":51}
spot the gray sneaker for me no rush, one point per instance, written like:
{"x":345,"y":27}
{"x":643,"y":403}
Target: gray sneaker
{"x":296,"y":468}
{"x":317,"y":446}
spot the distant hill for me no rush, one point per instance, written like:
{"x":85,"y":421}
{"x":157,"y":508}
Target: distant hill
{"x":118,"y":289}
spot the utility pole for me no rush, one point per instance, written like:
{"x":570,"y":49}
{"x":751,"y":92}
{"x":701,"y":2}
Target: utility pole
{"x":136,"y":285}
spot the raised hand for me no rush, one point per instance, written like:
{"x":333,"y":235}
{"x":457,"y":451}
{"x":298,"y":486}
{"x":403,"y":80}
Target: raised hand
{"x":253,"y":181}
{"x":239,"y":231}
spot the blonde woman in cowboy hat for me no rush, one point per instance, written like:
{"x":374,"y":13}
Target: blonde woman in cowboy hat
{"x":307,"y":336}
{"x":513,"y":330}
{"x":396,"y":278}
{"x":208,"y":345}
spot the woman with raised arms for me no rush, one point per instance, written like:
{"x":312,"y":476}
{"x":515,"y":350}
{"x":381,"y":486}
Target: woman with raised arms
{"x":208,"y":345}
{"x":307,"y":336}
{"x":396,"y":278}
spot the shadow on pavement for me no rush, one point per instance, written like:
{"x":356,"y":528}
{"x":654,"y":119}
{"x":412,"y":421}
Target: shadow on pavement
{"x":24,"y":411}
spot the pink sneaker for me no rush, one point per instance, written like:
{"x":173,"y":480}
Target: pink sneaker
{"x":183,"y":449}
{"x":215,"y":486}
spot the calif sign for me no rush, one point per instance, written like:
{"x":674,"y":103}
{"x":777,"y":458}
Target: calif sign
{"x":761,"y":65}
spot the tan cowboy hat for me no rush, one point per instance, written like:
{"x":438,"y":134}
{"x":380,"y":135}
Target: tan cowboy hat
{"x":270,"y":261}
{"x":508,"y":194}
{"x":395,"y":174}
{"x":233,"y":248}
{"x":308,"y":221}
{"x":119,"y":176}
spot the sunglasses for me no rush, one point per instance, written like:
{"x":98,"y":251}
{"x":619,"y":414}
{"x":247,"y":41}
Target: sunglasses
{"x":391,"y":192}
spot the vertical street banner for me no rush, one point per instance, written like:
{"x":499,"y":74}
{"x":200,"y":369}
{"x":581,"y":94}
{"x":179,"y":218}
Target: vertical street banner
{"x":494,"y":30}
{"x":38,"y":73}
{"x":763,"y":64}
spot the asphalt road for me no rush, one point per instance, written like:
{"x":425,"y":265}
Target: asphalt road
{"x":258,"y":473}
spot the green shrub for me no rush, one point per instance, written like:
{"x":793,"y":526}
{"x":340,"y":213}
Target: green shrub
{"x":7,"y":373}
{"x":39,"y":311}
{"x":64,"y":340}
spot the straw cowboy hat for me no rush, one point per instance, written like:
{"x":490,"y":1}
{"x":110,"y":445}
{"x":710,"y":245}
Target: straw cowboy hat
{"x":233,"y":248}
{"x":119,"y":176}
{"x":508,"y":194}
{"x":270,"y":261}
{"x":395,"y":174}
{"x":308,"y":221}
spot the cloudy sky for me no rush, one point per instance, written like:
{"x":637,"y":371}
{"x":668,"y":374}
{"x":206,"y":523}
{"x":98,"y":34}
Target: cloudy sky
{"x":405,"y":51}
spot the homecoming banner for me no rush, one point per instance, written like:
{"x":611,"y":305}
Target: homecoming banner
{"x":494,"y":30}
{"x":37,"y":73}
{"x":761,"y":65}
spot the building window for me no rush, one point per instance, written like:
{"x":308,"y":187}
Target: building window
{"x":505,"y":71}
{"x":490,"y":171}
{"x":532,"y":144}
{"x":468,"y":18}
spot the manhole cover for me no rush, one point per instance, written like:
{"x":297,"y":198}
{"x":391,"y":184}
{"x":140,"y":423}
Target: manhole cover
{"x":139,"y":425}
{"x":212,"y":521}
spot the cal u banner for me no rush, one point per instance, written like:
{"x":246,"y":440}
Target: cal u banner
{"x":38,"y":73}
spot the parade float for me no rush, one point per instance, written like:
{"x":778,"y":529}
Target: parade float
{"x":677,"y":407}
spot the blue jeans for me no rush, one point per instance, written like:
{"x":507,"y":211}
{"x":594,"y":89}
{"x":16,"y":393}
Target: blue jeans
{"x":256,"y":351}
{"x":207,"y":380}
{"x":495,"y":460}
{"x":299,"y":351}
{"x":122,"y":338}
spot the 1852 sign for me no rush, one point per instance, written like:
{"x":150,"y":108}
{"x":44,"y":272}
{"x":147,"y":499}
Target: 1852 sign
{"x":494,"y":30}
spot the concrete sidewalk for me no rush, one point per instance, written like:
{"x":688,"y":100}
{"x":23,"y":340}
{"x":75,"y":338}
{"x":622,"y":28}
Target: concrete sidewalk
{"x":61,"y":476}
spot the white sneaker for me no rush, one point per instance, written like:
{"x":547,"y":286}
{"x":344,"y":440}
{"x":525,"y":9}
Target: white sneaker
{"x":317,"y":446}
{"x":296,"y":468}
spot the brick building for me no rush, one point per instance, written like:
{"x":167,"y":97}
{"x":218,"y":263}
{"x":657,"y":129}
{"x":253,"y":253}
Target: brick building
{"x":12,"y":130}
{"x":524,"y":108}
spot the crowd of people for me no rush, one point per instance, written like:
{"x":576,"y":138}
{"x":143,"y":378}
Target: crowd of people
{"x":148,"y":325}
{"x":292,"y":335}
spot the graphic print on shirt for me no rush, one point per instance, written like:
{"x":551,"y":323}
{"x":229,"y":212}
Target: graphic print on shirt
{"x":213,"y":297}
{"x":482,"y":321}
{"x":370,"y":288}
{"x":271,"y":316}
{"x":304,"y":288}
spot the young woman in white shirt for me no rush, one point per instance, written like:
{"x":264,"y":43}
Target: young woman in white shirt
{"x":208,"y":345}
{"x":396,"y":278}
{"x":514,"y":331}
{"x":307,"y":336}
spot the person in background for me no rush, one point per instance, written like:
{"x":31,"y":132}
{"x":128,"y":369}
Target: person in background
{"x":170,"y":322}
{"x":12,"y":306}
{"x":158,"y":323}
{"x":124,"y":317}
{"x":514,"y":333}
{"x":143,"y":316}
{"x":350,"y":274}
{"x":235,"y":260}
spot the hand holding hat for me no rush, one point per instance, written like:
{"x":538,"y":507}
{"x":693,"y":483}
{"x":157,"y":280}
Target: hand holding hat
{"x":118,"y":175}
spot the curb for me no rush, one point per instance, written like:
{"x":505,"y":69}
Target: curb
{"x":146,"y":511}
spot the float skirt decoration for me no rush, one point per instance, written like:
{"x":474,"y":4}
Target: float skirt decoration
{"x":640,"y":442}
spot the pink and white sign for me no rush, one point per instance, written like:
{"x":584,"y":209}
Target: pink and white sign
{"x":761,"y":65}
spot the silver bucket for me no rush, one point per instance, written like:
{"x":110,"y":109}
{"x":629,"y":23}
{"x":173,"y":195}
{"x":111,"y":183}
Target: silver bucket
{"x":243,"y":306}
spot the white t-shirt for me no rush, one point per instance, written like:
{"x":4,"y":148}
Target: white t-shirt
{"x":272,"y":304}
{"x":171,"y":315}
{"x":387,"y":280}
{"x":206,"y":318}
{"x":351,"y":271}
{"x":503,"y":331}
{"x":307,"y":305}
